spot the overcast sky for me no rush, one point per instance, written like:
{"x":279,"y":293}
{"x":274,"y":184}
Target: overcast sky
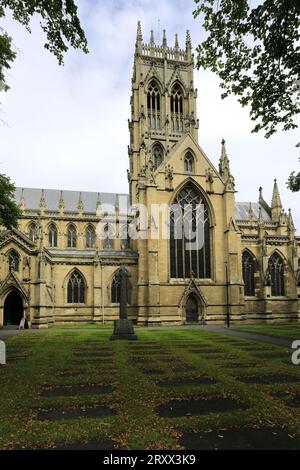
{"x":66,"y":127}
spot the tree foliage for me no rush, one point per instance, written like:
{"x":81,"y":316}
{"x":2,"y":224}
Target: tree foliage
{"x":59,"y":21}
{"x":9,"y":210}
{"x":254,"y":47}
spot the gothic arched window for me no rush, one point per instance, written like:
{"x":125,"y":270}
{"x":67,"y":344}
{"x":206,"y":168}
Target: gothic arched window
{"x":158,"y":155}
{"x":153,"y":106}
{"x":116,"y":289}
{"x":72,"y":236}
{"x":248,"y":273}
{"x":125,"y":238}
{"x":13,"y":261}
{"x":276,"y":270}
{"x":90,"y":237}
{"x":52,"y":235}
{"x":188,"y":162}
{"x":76,"y":288}
{"x":177,"y":108}
{"x":189,"y":213}
{"x":108,"y":237}
{"x":32,"y":232}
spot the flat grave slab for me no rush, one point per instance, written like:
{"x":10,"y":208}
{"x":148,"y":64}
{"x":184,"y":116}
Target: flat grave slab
{"x":91,"y":445}
{"x":153,"y":371}
{"x":186,"y":381}
{"x":237,"y":365}
{"x":240,"y":439}
{"x":179,"y":368}
{"x":73,"y":373}
{"x":272,"y":354}
{"x":178,"y":408}
{"x":61,"y":415}
{"x":76,"y":390}
{"x":169,"y":359}
{"x":93,"y":356}
{"x":92,"y":361}
{"x":268,"y":379}
{"x":294,"y":402}
{"x":206,"y":350}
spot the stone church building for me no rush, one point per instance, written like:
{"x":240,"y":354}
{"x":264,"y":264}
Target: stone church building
{"x":55,"y":269}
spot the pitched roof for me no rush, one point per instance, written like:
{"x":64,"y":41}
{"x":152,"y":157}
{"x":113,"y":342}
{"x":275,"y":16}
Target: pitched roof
{"x":52,"y":196}
{"x":242,"y":211}
{"x":32,"y":198}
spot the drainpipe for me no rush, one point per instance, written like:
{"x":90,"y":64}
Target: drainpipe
{"x":227,"y":295}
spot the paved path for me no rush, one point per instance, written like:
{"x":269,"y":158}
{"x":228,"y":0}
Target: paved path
{"x":277,"y":341}
{"x":4,"y":334}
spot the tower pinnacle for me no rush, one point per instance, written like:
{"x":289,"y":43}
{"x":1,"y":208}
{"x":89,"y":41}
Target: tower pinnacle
{"x":276,"y":205}
{"x":139,"y":36}
{"x":224,"y":167}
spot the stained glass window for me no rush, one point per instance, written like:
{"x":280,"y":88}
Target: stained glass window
{"x":76,"y":288}
{"x":185,"y":259}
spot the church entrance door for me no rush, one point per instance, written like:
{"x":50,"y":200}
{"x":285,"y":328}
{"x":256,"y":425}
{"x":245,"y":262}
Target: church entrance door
{"x":192,"y":309}
{"x":13,"y":309}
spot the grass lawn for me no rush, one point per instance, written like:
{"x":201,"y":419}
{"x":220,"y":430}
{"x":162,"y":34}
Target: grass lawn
{"x":171,"y":389}
{"x":289,"y":331}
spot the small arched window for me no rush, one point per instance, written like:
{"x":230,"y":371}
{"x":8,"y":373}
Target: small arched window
{"x":188,"y":163}
{"x":153,"y":106}
{"x":276,"y":270}
{"x":90,"y":237}
{"x":108,"y":237}
{"x":72,"y":236}
{"x":32,"y":232}
{"x":13,"y":261}
{"x":116,"y":289}
{"x":158,"y":156}
{"x":177,"y":108}
{"x":248,"y":274}
{"x":125,"y":238}
{"x":76,"y":288}
{"x":52,"y":235}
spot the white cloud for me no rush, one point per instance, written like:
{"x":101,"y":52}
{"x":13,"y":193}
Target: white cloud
{"x":67,"y":126}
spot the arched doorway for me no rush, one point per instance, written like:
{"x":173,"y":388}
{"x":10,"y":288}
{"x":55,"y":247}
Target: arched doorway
{"x":13,"y":308}
{"x":192,"y":309}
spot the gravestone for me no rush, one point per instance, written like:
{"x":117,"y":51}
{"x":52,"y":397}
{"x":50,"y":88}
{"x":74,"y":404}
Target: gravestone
{"x":123,"y":328}
{"x":2,"y":353}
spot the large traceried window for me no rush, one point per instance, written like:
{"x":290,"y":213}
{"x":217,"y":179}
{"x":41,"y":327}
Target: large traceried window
{"x":153,"y":106}
{"x":76,"y":288}
{"x":186,"y":260}
{"x":52,"y":237}
{"x":177,"y":108}
{"x":90,"y":237}
{"x":72,"y":236}
{"x":248,"y":273}
{"x":13,"y":261}
{"x":276,"y":270}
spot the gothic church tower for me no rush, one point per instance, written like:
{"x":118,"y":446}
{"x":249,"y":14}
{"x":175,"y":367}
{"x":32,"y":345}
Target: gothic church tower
{"x":163,"y":105}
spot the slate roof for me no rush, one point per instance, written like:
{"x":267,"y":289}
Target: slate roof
{"x":32,"y":198}
{"x":242,"y":211}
